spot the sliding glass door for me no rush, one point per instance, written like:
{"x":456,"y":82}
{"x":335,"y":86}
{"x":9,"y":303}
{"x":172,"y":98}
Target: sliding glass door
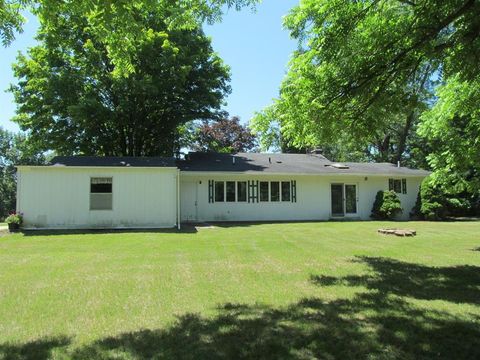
{"x":344,"y":199}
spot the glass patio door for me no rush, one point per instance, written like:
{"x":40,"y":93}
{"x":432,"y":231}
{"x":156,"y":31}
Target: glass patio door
{"x":350,"y":199}
{"x":337,"y":200}
{"x":344,"y":199}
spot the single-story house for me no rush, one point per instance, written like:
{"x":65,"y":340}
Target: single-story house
{"x":134,"y":192}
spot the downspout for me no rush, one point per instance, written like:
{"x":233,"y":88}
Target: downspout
{"x":178,"y":199}
{"x":17,"y":204}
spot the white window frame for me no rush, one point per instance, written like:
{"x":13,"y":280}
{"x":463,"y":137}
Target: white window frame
{"x":90,"y":192}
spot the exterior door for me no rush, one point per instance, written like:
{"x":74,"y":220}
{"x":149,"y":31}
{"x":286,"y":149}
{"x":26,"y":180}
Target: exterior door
{"x":189,"y":201}
{"x":350,"y":199}
{"x":337,"y":200}
{"x":344,"y":200}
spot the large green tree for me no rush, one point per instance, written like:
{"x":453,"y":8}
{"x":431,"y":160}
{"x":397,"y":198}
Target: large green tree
{"x":70,"y":100}
{"x":452,"y":127}
{"x":367,"y":71}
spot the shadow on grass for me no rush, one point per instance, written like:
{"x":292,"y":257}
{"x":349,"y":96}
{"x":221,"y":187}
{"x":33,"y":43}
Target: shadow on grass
{"x":379,"y":323}
{"x":458,"y":284}
{"x":35,"y":350}
{"x":186,"y":229}
{"x":235,"y":224}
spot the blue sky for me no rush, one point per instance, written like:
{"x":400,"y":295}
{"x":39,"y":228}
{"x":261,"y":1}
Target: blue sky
{"x":254,"y":45}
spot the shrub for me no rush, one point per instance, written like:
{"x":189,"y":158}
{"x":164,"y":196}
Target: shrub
{"x":387,"y":205}
{"x":14,"y":218}
{"x":437,"y":202}
{"x":432,"y":201}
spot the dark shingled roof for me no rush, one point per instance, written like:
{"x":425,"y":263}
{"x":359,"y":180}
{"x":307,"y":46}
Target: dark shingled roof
{"x":287,"y":164}
{"x":113,"y":161}
{"x":244,"y":163}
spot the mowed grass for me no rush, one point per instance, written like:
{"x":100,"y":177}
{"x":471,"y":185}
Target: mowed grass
{"x":328,"y":290}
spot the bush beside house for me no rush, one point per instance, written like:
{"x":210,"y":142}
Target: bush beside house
{"x":387,"y":205}
{"x":434,"y":203}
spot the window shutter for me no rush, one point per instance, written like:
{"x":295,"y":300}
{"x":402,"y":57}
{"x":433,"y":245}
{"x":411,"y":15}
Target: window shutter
{"x":390,"y":184}
{"x":294,"y":190}
{"x":404,"y":186}
{"x":210,"y":191}
{"x":252,"y":191}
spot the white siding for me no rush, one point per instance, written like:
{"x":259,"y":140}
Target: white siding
{"x":59,"y":197}
{"x":313,"y":198}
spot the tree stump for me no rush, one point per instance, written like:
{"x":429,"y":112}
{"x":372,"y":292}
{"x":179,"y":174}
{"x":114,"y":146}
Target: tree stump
{"x":397,"y":232}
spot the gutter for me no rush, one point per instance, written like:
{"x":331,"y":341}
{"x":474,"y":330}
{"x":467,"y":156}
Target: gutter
{"x":261,"y":173}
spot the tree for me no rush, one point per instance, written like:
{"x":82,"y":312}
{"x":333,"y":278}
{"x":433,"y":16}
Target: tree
{"x":367,"y":73}
{"x":71,"y":101}
{"x":15,"y":149}
{"x":118,"y":25}
{"x":224,"y":135}
{"x":453,"y":127}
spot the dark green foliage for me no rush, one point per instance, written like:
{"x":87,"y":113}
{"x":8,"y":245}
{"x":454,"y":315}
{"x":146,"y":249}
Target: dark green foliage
{"x":71,"y":99}
{"x":387,"y":205}
{"x":432,"y":202}
{"x":435,"y":203}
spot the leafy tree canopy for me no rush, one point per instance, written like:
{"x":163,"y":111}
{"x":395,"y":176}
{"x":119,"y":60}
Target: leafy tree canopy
{"x":118,"y":24}
{"x":224,"y":135}
{"x":452,"y":126}
{"x":365,"y":67}
{"x":70,"y":100}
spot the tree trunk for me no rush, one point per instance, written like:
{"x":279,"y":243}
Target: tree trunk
{"x":402,"y":141}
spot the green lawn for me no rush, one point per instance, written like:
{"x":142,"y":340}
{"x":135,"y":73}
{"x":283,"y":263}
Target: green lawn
{"x":301,"y":290}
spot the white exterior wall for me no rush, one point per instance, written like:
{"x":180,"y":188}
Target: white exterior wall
{"x":313,"y":198}
{"x":59,"y":197}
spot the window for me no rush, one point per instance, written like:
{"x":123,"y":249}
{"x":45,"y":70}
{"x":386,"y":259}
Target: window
{"x":285,"y":190}
{"x":274,"y":191}
{"x":101,"y":193}
{"x":263,"y":190}
{"x":251,"y":191}
{"x":241,"y":191}
{"x":398,"y":185}
{"x":219,"y":191}
{"x":230,"y":191}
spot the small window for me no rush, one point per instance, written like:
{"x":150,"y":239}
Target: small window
{"x":285,"y":190}
{"x":241,"y":191}
{"x":397,"y":186}
{"x":101,"y":193}
{"x":230,"y":191}
{"x":274,"y":191}
{"x":263,"y":190}
{"x":219,"y":191}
